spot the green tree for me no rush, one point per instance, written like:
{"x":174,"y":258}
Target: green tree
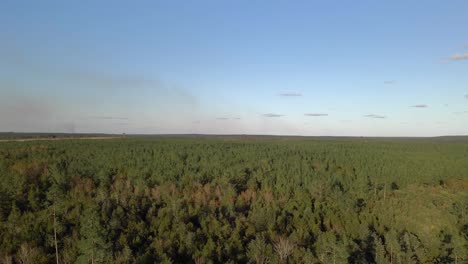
{"x":92,"y":245}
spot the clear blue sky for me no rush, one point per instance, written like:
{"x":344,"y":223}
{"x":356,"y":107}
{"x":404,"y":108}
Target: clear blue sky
{"x":360,"y":68}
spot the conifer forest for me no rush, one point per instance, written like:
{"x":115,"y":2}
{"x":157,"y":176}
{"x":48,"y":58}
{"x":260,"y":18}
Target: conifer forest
{"x":234,"y":200}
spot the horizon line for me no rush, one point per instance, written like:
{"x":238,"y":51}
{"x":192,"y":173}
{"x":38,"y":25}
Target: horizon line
{"x":208,"y":134}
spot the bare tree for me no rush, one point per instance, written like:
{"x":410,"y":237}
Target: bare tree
{"x":26,"y":254}
{"x":199,"y":260}
{"x":7,"y":259}
{"x":283,"y":247}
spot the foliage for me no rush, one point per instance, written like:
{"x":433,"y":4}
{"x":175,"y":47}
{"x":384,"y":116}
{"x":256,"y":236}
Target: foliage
{"x":234,"y":200}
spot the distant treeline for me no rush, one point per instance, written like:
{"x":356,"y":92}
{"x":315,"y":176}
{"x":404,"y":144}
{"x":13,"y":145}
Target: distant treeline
{"x":233,"y":200}
{"x":15,"y":135}
{"x":235,"y":137}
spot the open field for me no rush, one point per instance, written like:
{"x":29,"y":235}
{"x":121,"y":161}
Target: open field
{"x":234,"y":199}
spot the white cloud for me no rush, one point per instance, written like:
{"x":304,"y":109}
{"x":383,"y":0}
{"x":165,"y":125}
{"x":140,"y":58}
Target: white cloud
{"x":375,"y":116}
{"x":290,"y":94}
{"x":315,"y":114}
{"x":420,"y":106}
{"x":457,"y":57}
{"x":272,"y":115}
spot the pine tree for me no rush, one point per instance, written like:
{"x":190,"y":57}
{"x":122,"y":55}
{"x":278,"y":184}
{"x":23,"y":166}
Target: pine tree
{"x":92,"y":245}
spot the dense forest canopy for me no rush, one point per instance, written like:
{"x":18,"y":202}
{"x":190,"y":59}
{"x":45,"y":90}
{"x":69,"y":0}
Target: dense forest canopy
{"x":234,"y":200}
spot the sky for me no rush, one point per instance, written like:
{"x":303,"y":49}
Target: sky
{"x":319,"y":68}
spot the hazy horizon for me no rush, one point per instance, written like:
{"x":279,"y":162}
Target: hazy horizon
{"x":362,"y":68}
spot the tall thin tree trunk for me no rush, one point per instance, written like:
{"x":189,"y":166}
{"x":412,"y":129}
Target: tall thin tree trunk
{"x":463,"y":213}
{"x":92,"y":254}
{"x":334,"y":255}
{"x":55,"y":239}
{"x":391,"y":254}
{"x":384,"y":191}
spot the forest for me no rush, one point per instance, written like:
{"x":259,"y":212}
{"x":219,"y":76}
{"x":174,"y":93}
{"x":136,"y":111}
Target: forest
{"x":234,"y":200}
